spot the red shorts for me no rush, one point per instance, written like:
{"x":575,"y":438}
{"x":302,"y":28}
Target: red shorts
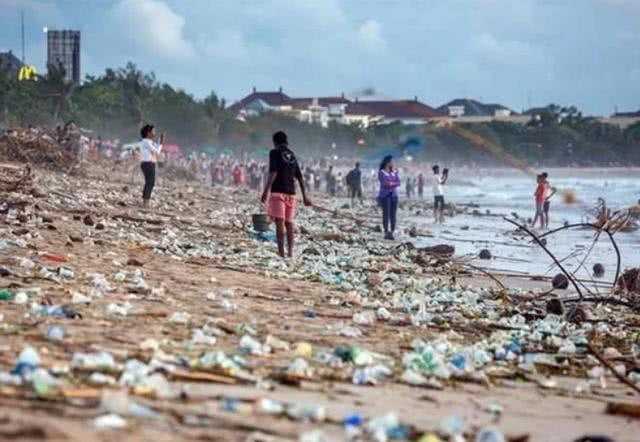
{"x":282,"y":206}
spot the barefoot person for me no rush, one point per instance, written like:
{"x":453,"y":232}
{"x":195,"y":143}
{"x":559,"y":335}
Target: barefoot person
{"x":283,"y":173}
{"x":539,"y":198}
{"x":150,"y":152}
{"x":548,"y":194}
{"x":388,"y":195}
{"x":438,"y":193}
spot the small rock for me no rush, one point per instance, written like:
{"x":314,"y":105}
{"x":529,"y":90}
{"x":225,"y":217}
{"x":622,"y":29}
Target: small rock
{"x":598,"y":270}
{"x":100,"y":226}
{"x":555,"y":307}
{"x":485,"y":254}
{"x":611,"y":353}
{"x":134,"y":262}
{"x":560,"y":282}
{"x":88,"y":220}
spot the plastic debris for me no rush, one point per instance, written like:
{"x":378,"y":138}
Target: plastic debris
{"x":109,"y":421}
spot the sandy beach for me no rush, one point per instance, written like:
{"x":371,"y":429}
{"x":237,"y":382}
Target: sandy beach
{"x":189,"y":277}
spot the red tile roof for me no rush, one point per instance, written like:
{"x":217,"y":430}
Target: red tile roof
{"x":399,"y":109}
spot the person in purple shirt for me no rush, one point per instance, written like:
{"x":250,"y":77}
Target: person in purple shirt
{"x":388,"y":195}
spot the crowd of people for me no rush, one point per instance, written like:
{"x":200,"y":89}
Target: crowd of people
{"x":278,"y":178}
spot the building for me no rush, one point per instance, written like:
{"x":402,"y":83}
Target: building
{"x":341,"y":110}
{"x":622,"y":119}
{"x":10,"y":64}
{"x":63,"y":50}
{"x":473,"y":111}
{"x":258,"y":103}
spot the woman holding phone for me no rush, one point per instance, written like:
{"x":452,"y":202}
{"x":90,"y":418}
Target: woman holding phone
{"x":150,"y":152}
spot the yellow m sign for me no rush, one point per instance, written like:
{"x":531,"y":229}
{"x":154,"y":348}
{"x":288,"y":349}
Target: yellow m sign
{"x":27,"y":73}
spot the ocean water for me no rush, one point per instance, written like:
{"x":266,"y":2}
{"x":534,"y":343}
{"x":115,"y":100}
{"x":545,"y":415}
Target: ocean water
{"x":506,"y":192}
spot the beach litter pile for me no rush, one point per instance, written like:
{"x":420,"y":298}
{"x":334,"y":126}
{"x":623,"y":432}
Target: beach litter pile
{"x":179,"y":321}
{"x":39,"y":147}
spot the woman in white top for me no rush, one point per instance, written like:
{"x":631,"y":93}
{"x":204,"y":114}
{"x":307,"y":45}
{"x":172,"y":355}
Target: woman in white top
{"x":150,"y":153}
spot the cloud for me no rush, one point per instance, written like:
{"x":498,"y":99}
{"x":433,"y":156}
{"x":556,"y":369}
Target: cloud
{"x":370,"y":36}
{"x":152,"y":26}
{"x":226,"y":45}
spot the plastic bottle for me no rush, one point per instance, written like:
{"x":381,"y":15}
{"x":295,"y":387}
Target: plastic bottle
{"x":5,"y":295}
{"x":27,"y":362}
{"x":43,"y":383}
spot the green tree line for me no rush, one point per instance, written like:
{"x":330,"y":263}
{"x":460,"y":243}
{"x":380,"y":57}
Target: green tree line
{"x":118,"y":102}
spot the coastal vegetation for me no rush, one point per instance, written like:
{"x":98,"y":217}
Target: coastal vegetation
{"x":116,"y":103}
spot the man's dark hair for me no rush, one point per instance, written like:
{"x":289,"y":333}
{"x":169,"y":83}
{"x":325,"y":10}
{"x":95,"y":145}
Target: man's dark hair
{"x":545,"y":175}
{"x":279,"y":138}
{"x":357,"y":165}
{"x":436,"y":168}
{"x":146,"y":129}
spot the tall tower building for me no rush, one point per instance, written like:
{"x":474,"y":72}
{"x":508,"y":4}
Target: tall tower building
{"x":63,"y":49}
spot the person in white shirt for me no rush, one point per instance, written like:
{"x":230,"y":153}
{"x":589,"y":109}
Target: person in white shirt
{"x":150,"y":152}
{"x":438,"y":182}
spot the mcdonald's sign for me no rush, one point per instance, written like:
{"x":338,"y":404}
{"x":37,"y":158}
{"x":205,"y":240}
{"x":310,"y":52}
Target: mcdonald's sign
{"x":27,"y":73}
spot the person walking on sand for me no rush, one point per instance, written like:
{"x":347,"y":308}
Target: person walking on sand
{"x":284,"y":171}
{"x":539,"y":199}
{"x":420,"y":186}
{"x":150,"y":152}
{"x":388,"y":195}
{"x":438,"y":193}
{"x":548,"y":194}
{"x":354,"y":184}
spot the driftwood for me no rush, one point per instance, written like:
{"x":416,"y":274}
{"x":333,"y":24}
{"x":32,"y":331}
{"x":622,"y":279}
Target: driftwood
{"x":612,"y":369}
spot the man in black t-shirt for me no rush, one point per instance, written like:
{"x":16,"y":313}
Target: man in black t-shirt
{"x":283,"y":173}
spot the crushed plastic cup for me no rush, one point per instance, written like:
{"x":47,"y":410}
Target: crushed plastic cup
{"x":270,"y":407}
{"x":251,"y":345}
{"x":367,"y":317}
{"x":180,"y":318}
{"x":43,"y":383}
{"x":304,"y":349}
{"x":350,"y":332}
{"x":201,"y":338}
{"x":371,"y":375}
{"x":79,"y":298}
{"x":119,"y":309}
{"x":489,"y":434}
{"x":383,"y":314}
{"x":65,"y":273}
{"x":102,"y":379}
{"x":109,"y":422}
{"x":276,"y":343}
{"x":159,"y":384}
{"x":300,"y":368}
{"x":450,"y":427}
{"x":21,"y":298}
{"x":55,"y":333}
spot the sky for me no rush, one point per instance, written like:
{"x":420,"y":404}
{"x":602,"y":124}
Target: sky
{"x":519,"y":53}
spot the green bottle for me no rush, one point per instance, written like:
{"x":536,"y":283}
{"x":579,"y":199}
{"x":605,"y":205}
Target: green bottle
{"x":5,"y":295}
